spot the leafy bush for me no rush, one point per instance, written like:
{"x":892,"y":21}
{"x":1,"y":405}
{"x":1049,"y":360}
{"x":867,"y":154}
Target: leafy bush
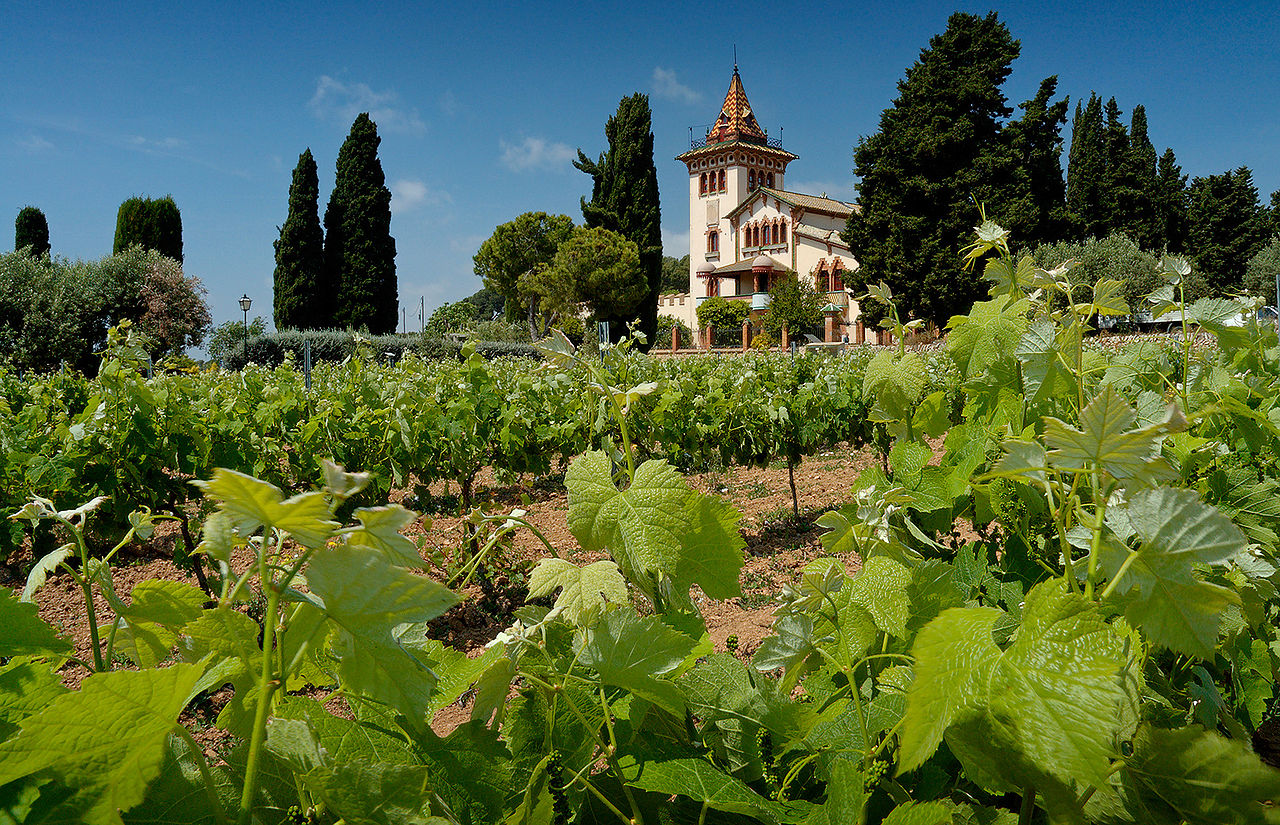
{"x":666,"y":324}
{"x":336,"y":345}
{"x":1115,"y":256}
{"x":1260,"y":275}
{"x":722,"y":314}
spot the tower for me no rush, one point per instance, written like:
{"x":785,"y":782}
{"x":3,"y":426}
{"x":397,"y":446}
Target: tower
{"x":734,"y":159}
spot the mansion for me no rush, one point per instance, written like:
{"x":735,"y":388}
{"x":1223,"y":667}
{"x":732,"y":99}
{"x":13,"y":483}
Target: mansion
{"x":746,"y":230}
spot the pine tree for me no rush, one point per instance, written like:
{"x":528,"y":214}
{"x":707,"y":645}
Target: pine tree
{"x":1274,"y":227}
{"x":150,"y":223}
{"x":624,"y":199}
{"x":359,"y":252}
{"x":1036,"y":209}
{"x":299,"y":301}
{"x":31,"y":229}
{"x":1171,"y":202}
{"x":1227,"y":227}
{"x":1086,"y":167}
{"x":1138,"y":216}
{"x":922,"y":170}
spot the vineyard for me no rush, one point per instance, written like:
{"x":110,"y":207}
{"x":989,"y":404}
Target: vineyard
{"x":1103,"y":650}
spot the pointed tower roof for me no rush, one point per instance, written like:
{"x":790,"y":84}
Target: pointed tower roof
{"x":736,"y":120}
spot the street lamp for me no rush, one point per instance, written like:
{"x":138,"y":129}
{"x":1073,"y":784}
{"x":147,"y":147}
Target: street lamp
{"x":245,"y":303}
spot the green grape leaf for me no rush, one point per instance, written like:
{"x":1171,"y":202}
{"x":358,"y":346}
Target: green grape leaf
{"x":455,"y":671}
{"x":40,"y":570}
{"x":251,"y":503}
{"x":919,"y":813}
{"x":893,"y":385}
{"x":23,"y":633}
{"x":791,"y":642}
{"x":955,"y":656}
{"x":656,"y":526}
{"x":1212,"y":313}
{"x":374,"y":794}
{"x":711,"y":548}
{"x":472,"y":770}
{"x":26,"y":687}
{"x":104,"y":743}
{"x":629,"y":651}
{"x":881,"y":588}
{"x":537,"y":806}
{"x":1104,"y":439}
{"x":1044,"y":375}
{"x":988,"y":335}
{"x":907,"y":458}
{"x":584,"y":591}
{"x":641,"y":525}
{"x":701,"y":781}
{"x":348,"y":741}
{"x":1175,"y":530}
{"x":933,"y":414}
{"x":381,"y":528}
{"x":368,"y":597}
{"x":1052,"y":696}
{"x":1188,"y":775}
{"x":1022,"y":459}
{"x":1108,"y":298}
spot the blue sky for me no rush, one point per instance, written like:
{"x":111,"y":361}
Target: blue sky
{"x":481,"y":106}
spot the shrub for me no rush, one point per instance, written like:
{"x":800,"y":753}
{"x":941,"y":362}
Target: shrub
{"x":337,"y":345}
{"x":1260,"y":274}
{"x":1115,"y":256}
{"x":666,"y":324}
{"x":721,"y":314}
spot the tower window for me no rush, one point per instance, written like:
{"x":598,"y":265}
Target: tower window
{"x":770,"y":180}
{"x":783,"y":229}
{"x":713,"y":242}
{"x":702,"y":184}
{"x":722,"y":180}
{"x":775,"y":234}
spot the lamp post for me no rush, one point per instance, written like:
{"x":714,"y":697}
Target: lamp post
{"x":245,"y":303}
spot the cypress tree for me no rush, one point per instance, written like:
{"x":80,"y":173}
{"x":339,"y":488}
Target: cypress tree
{"x":624,"y":199}
{"x":934,"y":153}
{"x":359,"y":252}
{"x":150,"y":223}
{"x":1036,"y":211}
{"x":31,"y":229}
{"x":1086,"y":168}
{"x":1139,"y":217}
{"x":1117,"y":182}
{"x":299,"y":303}
{"x":1227,"y":227}
{"x":1171,"y":202}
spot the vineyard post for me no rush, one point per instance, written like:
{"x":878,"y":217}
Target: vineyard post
{"x":306,"y":362}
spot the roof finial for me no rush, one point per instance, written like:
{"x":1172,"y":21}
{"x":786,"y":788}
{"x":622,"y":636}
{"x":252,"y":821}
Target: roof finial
{"x":735,"y":58}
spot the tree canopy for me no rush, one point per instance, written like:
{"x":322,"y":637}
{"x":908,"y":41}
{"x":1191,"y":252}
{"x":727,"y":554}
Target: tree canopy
{"x":359,"y":252}
{"x":598,"y":268}
{"x":299,"y":302}
{"x":937,"y":150}
{"x":1226,"y":227}
{"x":624,"y":199}
{"x":794,"y":303}
{"x":516,"y":252}
{"x":31,"y":229}
{"x":151,"y":223}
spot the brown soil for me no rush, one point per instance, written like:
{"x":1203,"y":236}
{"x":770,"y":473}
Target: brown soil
{"x":777,"y":546}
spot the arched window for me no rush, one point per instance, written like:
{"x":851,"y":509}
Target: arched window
{"x":770,"y":180}
{"x":702,"y":184}
{"x":776,"y":236}
{"x":721,"y":180}
{"x":713,"y":242}
{"x":751,"y":179}
{"x":784,"y":231}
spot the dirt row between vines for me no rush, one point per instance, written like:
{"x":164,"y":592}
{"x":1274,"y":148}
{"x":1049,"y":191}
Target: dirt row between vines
{"x":777,"y":547}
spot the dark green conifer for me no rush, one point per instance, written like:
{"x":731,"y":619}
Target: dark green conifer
{"x":152,"y":223}
{"x":299,"y":301}
{"x":31,"y":230}
{"x":359,"y":252}
{"x":1227,"y":227}
{"x":1171,"y":202}
{"x":1035,"y":208}
{"x":1086,"y":169}
{"x":624,"y":199}
{"x":922,"y":170}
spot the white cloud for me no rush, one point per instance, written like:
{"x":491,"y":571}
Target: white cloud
{"x":337,"y":100}
{"x":408,"y":194}
{"x":535,"y":153}
{"x":666,"y":85}
{"x":34,"y":143}
{"x":163,"y":145}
